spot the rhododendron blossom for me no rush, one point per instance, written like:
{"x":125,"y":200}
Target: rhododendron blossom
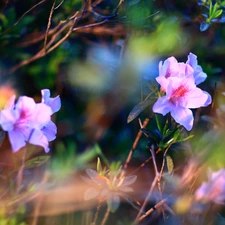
{"x":26,"y":121}
{"x":172,"y":68}
{"x":181,"y":95}
{"x":178,"y":81}
{"x":50,"y":129}
{"x":214,"y":189}
{"x":199,"y":75}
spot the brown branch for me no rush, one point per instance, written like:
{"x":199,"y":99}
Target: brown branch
{"x":134,"y":146}
{"x":158,"y":205}
{"x":49,"y":24}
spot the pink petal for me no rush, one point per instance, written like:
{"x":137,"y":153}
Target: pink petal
{"x":17,"y":140}
{"x":183,"y":116}
{"x":38,"y":138}
{"x":53,"y":103}
{"x":8,"y":118}
{"x":196,"y":98}
{"x":41,"y":116}
{"x":162,"y":106}
{"x":50,"y":131}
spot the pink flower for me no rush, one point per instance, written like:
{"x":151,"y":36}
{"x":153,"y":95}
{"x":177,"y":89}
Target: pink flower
{"x":50,"y":129}
{"x":26,"y":121}
{"x":181,"y":95}
{"x":171,"y":68}
{"x":199,"y":75}
{"x":214,"y":190}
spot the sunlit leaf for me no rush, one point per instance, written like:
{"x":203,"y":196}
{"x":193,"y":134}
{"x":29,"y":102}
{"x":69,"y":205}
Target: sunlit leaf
{"x":169,"y":163}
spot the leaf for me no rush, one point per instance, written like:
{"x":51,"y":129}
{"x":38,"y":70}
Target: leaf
{"x":217,"y":13}
{"x":169,"y":163}
{"x":37,"y":161}
{"x":138,"y":109}
{"x":134,"y":2}
{"x":204,"y":26}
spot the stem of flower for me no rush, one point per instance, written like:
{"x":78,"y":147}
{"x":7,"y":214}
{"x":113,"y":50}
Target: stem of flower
{"x":97,"y":212}
{"x":106,"y":216}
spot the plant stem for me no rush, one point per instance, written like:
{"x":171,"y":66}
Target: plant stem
{"x":106,"y":216}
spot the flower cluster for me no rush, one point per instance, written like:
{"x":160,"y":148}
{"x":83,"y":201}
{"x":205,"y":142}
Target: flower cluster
{"x":178,"y":81}
{"x":214,"y":190}
{"x":27,"y":121}
{"x":109,"y":187}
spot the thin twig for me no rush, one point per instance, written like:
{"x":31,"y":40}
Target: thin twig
{"x":39,"y":3}
{"x":49,"y":24}
{"x":20,"y":173}
{"x":134,"y":146}
{"x":39,"y":202}
{"x":158,"y":205}
{"x":97,"y":212}
{"x":106,"y":216}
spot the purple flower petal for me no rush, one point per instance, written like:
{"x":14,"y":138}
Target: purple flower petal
{"x":183,"y":116}
{"x":16,"y":139}
{"x":53,"y":103}
{"x":162,"y":106}
{"x":38,"y":138}
{"x":50,"y":130}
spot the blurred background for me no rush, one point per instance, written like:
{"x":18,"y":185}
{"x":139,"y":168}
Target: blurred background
{"x":102,"y":58}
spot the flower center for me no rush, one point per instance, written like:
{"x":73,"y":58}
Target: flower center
{"x":178,"y":93}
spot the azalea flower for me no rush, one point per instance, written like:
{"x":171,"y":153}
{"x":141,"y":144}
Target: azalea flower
{"x":26,"y":121}
{"x":109,"y":187}
{"x":171,"y":68}
{"x":181,"y":96}
{"x":50,"y":129}
{"x":199,"y":75}
{"x":214,"y":189}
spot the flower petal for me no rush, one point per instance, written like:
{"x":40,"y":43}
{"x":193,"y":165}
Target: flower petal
{"x":17,"y":140}
{"x":38,"y":138}
{"x":53,"y":103}
{"x":50,"y":130}
{"x":197,"y":98}
{"x":162,"y":106}
{"x":91,"y":193}
{"x":8,"y":118}
{"x":183,"y":116}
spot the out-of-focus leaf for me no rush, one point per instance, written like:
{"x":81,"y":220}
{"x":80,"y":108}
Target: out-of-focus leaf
{"x":37,"y":161}
{"x":134,"y":2}
{"x":169,"y":163}
{"x":204,"y":26}
{"x":138,"y":109}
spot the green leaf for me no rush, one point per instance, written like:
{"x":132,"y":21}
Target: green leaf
{"x":138,"y":109}
{"x":169,"y":163}
{"x":37,"y":161}
{"x":217,"y":13}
